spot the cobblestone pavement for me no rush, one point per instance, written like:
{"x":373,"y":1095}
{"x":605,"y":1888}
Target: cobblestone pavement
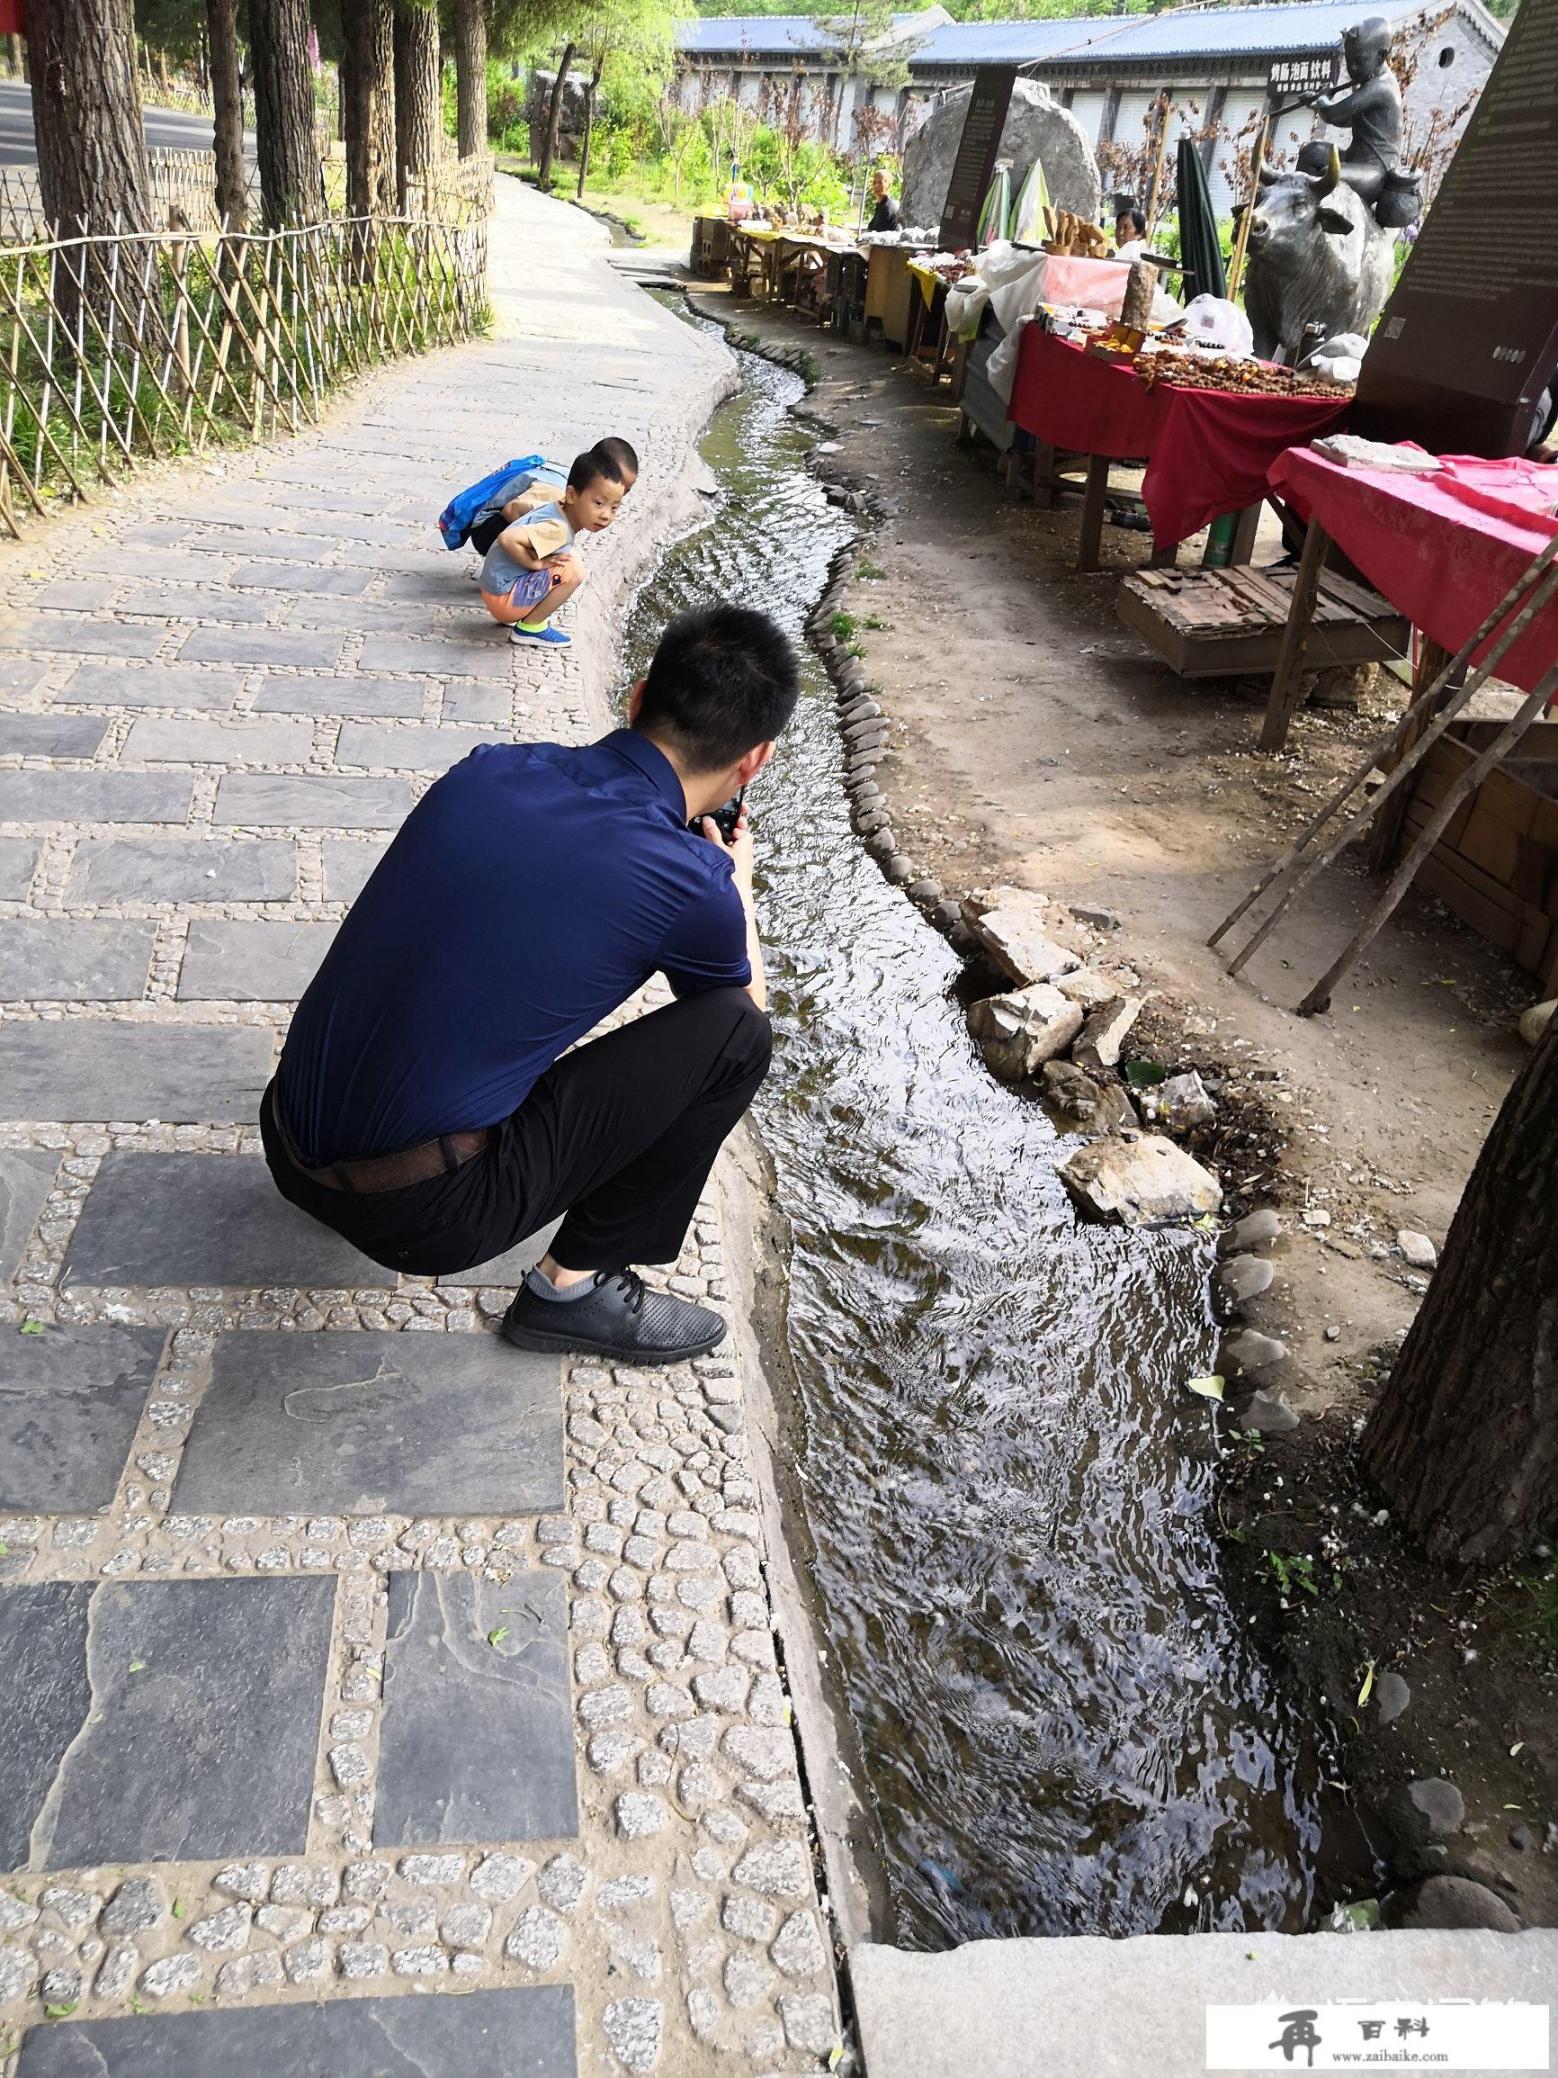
{"x":345,"y":1653}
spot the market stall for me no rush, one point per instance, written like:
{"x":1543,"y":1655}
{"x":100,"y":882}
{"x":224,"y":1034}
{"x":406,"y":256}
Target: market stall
{"x":1447,"y":547}
{"x":891,"y":291}
{"x":1208,"y":449}
{"x":1460,"y":791}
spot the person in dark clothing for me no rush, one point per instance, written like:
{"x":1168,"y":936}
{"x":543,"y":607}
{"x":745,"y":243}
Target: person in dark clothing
{"x":885,"y":215}
{"x":427,"y":1105}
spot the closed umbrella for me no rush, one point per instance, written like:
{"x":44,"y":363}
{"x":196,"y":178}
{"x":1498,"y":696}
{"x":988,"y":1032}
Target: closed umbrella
{"x":1200,"y":253}
{"x":996,"y":210}
{"x":1030,"y":212}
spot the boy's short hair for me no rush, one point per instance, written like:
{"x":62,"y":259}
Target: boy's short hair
{"x":590,"y":465}
{"x":619,"y":452}
{"x":723,"y":680}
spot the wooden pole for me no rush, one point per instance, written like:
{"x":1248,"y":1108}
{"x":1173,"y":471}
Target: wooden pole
{"x":1236,"y":265}
{"x":1157,"y":166}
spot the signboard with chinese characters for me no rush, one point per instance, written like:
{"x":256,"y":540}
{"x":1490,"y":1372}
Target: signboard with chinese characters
{"x":1469,"y":339}
{"x":974,"y":167}
{"x":1293,"y":82}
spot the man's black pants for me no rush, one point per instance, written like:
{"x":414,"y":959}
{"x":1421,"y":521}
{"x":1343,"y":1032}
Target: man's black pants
{"x":620,"y":1135}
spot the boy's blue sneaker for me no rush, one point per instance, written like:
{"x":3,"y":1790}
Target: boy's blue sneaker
{"x":546,"y":634}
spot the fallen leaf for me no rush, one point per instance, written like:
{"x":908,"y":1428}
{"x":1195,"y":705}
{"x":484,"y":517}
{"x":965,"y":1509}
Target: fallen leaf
{"x":59,"y":2012}
{"x":137,"y":1666}
{"x":178,"y":1908}
{"x":1145,"y":1074}
{"x":32,"y":1327}
{"x":497,"y":1637}
{"x":1368,"y":1686}
{"x":1209,"y":1388}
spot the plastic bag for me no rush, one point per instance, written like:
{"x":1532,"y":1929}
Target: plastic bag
{"x":1214,"y":321}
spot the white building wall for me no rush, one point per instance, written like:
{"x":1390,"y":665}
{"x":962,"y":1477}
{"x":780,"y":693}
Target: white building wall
{"x":1087,"y":105}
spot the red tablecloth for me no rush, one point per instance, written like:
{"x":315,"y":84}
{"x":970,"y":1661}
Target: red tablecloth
{"x":1442,"y":549}
{"x":1207,"y":451}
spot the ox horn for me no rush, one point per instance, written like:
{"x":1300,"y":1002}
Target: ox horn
{"x":1322,"y":183}
{"x":1267,"y":175}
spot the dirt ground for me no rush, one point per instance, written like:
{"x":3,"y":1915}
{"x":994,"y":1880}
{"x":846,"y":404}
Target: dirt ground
{"x":1035,"y":741}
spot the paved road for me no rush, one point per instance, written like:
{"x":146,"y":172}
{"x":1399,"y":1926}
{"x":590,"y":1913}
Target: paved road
{"x":164,"y":126}
{"x":328,"y":1662}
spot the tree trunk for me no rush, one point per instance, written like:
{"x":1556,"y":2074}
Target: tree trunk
{"x":589,"y":124}
{"x":368,"y":105}
{"x":284,"y":112}
{"x":470,"y":76}
{"x":87,"y":114}
{"x":418,"y":103}
{"x":227,"y":104}
{"x":1464,"y":1439}
{"x":553,"y":116}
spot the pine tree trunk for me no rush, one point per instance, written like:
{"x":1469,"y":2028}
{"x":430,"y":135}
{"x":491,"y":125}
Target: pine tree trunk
{"x":418,"y":103}
{"x":368,"y":105}
{"x":87,"y":114}
{"x":553,"y":117}
{"x":1464,"y":1439}
{"x":589,"y":124}
{"x":470,"y":76}
{"x":284,"y":112}
{"x":227,"y":104}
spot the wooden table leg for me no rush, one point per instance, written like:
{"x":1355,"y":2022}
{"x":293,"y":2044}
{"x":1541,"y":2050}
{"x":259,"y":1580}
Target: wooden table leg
{"x":1164,"y":558}
{"x":1287,"y":685}
{"x":1243,"y":546}
{"x":1093,"y":512}
{"x":1043,"y":473}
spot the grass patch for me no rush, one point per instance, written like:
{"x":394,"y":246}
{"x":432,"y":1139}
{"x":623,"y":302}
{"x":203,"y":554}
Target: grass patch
{"x":842,"y":626}
{"x":869,"y":571}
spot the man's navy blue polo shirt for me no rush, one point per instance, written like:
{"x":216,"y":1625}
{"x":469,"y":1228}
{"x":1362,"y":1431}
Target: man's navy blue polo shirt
{"x":529,"y":892}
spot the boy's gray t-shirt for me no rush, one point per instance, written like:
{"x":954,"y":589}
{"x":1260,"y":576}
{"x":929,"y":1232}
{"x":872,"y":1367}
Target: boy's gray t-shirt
{"x":549,"y":533}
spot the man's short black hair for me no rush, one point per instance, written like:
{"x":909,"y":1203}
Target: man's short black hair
{"x":723,"y":680}
{"x":593,"y":463}
{"x":1138,"y":221}
{"x":619,"y":453}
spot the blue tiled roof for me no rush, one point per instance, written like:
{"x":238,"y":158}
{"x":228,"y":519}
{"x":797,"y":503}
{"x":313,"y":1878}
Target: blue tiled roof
{"x":1273,"y":31}
{"x":784,"y":34}
{"x":997,"y":43}
{"x":1281,"y":28}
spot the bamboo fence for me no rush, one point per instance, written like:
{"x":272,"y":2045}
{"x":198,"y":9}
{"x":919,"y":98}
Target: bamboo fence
{"x":182,"y":194}
{"x":151,"y":344}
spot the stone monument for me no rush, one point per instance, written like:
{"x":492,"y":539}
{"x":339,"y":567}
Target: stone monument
{"x":1036,"y":127}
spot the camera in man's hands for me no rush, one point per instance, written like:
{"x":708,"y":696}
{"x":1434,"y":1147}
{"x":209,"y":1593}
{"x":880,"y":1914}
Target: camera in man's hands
{"x":725,"y":819}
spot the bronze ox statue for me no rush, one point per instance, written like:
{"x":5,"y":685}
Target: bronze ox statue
{"x":1316,"y":256}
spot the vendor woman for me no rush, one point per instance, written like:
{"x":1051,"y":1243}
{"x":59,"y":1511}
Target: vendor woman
{"x":885,"y":215}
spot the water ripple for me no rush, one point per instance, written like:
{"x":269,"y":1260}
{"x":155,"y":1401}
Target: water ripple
{"x":1063,"y":1727}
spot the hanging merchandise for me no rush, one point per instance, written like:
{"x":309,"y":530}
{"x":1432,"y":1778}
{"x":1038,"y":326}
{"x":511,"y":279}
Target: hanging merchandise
{"x":996,"y":209}
{"x":1031,"y":211}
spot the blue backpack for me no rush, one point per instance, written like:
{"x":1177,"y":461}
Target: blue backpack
{"x":460,"y":514}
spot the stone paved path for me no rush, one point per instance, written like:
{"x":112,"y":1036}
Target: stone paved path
{"x":345,"y":1654}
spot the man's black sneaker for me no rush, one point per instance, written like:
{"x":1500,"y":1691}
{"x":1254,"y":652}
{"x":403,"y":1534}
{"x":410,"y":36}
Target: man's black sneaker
{"x":620,"y":1319}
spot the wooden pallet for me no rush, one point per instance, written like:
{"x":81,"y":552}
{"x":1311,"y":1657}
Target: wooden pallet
{"x":1229,"y":623}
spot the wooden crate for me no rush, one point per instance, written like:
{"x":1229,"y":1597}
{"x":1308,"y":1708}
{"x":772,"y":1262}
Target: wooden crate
{"x":1228,"y":623}
{"x":1496,"y":865}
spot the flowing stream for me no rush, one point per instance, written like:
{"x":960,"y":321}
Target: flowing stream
{"x":1064,"y":1729}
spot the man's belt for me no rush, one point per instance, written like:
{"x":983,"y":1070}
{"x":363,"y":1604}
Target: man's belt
{"x":384,"y":1172}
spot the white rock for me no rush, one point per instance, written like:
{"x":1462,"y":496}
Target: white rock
{"x":1105,"y":1033}
{"x":1017,"y":1033}
{"x":1014,"y":931}
{"x":1419,"y":1251}
{"x":1138,"y":1182}
{"x":1088,"y":987}
{"x":1536,"y":1020}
